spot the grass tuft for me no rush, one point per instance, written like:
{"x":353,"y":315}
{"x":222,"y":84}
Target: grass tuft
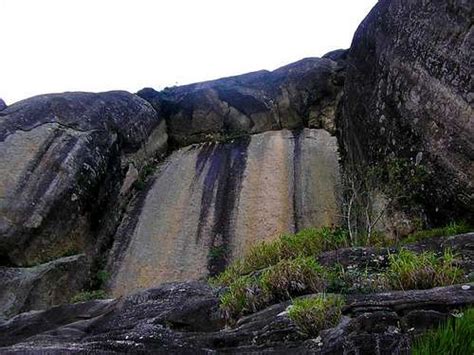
{"x":89,"y":296}
{"x":409,"y":270}
{"x":292,"y":278}
{"x":451,"y":229}
{"x":314,"y":314}
{"x":455,"y":336}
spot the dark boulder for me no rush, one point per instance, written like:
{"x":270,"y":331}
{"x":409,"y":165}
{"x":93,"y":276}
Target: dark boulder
{"x":294,"y":96}
{"x":408,"y":103}
{"x":3,"y":105}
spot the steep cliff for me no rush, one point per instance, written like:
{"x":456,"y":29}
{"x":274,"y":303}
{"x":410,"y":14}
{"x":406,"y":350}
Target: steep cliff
{"x":411,"y":63}
{"x":123,"y":192}
{"x":207,"y":203}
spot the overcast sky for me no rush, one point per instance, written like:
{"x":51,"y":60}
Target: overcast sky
{"x":98,"y":45}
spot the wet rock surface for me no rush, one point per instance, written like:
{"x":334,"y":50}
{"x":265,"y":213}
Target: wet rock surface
{"x":207,"y":203}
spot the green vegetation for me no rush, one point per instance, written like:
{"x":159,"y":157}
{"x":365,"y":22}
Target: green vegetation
{"x":293,"y":277}
{"x":287,"y":267}
{"x":308,"y":242}
{"x":353,"y":280}
{"x":409,"y":270}
{"x":286,"y":279}
{"x":454,"y":337}
{"x":451,"y":229}
{"x":145,"y":172}
{"x":313,"y":314}
{"x":88,"y":296}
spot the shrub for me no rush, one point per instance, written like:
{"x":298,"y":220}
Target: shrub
{"x":408,"y":270}
{"x":314,"y":314}
{"x":456,"y":336}
{"x":293,"y":277}
{"x":451,"y":229}
{"x":88,"y":296}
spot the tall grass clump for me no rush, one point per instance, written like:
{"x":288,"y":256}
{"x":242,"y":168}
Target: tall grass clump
{"x":408,"y":270}
{"x":292,"y":278}
{"x":307,"y":242}
{"x":286,"y":279}
{"x":454,"y":337}
{"x":314,"y":314}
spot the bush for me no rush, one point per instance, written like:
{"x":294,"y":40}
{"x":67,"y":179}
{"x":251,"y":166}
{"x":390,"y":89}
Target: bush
{"x":293,"y":277}
{"x":451,"y":229}
{"x":354,"y":280}
{"x":314,"y":314}
{"x":408,"y":270}
{"x":89,"y":296}
{"x":456,"y":336}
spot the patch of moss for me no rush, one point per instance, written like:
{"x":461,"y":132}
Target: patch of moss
{"x":451,"y":229}
{"x":88,"y":296}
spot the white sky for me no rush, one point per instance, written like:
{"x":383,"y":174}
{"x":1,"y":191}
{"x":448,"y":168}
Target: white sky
{"x":98,"y":45}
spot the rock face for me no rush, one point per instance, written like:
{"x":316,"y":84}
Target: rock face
{"x":411,"y":62}
{"x":209,"y":202}
{"x":302,"y":94}
{"x":57,"y":153}
{"x":63,"y":158}
{"x":90,"y":185}
{"x":3,"y":105}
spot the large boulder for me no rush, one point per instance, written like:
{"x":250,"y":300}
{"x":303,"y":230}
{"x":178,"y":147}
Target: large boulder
{"x":297,"y":95}
{"x":407,"y":103}
{"x":62,"y":160}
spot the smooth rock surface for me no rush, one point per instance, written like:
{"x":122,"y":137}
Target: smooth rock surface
{"x":60,"y":154}
{"x":210,"y":202}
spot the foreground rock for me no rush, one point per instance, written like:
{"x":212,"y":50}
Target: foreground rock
{"x":184,"y":317}
{"x":207,"y":203}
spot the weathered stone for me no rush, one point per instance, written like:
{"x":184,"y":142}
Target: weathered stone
{"x":42,"y":286}
{"x":209,"y":202}
{"x":60,"y":158}
{"x":407,"y":98}
{"x":297,"y":95}
{"x":184,"y":317}
{"x":3,"y":105}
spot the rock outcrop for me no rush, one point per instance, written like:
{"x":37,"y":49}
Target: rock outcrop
{"x":125,"y":192}
{"x":63,"y":158}
{"x":184,"y":317}
{"x":302,"y":94}
{"x":408,"y":101}
{"x":207,"y":203}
